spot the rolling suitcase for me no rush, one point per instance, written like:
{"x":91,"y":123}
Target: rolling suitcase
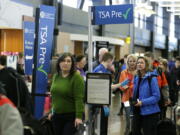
{"x":81,"y":129}
{"x":176,"y":114}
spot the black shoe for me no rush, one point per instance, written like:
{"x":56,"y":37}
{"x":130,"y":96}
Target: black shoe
{"x":121,"y":111}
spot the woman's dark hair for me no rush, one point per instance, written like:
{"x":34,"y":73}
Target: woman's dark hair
{"x":61,"y":59}
{"x":80,"y":57}
{"x":3,"y":60}
{"x":147,"y":64}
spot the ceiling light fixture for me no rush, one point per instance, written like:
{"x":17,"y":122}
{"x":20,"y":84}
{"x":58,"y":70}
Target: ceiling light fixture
{"x":169,"y":5}
{"x":174,"y":9}
{"x":164,"y":1}
{"x":176,"y":14}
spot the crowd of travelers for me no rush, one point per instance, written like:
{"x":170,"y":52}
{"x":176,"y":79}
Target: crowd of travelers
{"x":148,"y":85}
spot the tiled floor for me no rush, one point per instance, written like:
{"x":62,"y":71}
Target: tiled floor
{"x":116,"y":123}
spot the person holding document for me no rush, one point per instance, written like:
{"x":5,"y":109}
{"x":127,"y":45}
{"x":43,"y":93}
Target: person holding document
{"x":128,"y":74}
{"x":146,"y":95}
{"x":104,"y":67}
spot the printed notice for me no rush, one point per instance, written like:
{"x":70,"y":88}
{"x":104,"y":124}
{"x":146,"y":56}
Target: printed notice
{"x":98,"y":91}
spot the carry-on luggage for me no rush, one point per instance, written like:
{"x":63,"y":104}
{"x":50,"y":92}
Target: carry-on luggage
{"x":46,"y":126}
{"x":166,"y":127}
{"x":175,"y":114}
{"x":81,"y":129}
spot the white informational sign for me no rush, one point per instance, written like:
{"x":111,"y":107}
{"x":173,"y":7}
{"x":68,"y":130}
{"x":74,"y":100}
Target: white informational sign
{"x":12,"y":61}
{"x":98,"y":88}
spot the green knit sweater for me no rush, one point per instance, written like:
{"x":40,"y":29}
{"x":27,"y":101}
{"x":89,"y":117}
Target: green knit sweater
{"x":68,"y":94}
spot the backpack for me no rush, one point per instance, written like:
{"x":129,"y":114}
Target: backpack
{"x":161,"y":101}
{"x":31,"y":125}
{"x":23,"y":96}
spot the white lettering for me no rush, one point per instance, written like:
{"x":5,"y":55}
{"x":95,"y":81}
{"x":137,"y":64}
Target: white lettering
{"x":43,"y":35}
{"x":42,"y":55}
{"x":29,"y":47}
{"x":115,"y":14}
{"x":104,"y":14}
{"x":41,"y":60}
{"x":107,"y":15}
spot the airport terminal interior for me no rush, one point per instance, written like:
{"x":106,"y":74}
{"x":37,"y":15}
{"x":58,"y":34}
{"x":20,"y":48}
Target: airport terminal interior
{"x":90,"y":67}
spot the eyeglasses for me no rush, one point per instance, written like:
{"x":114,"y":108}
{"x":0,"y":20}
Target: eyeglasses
{"x":140,"y":63}
{"x":67,"y":61}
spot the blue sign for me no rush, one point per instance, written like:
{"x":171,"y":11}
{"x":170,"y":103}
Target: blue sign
{"x":45,"y":41}
{"x":29,"y":31}
{"x":116,"y":14}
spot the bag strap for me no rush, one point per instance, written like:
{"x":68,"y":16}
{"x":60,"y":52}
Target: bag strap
{"x":149,"y":79}
{"x":15,"y":76}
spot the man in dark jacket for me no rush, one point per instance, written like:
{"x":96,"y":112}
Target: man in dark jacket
{"x":175,"y":78}
{"x":15,"y":86}
{"x":178,"y":70}
{"x":8,"y":81}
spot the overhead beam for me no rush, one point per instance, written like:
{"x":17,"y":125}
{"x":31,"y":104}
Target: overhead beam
{"x":80,"y":4}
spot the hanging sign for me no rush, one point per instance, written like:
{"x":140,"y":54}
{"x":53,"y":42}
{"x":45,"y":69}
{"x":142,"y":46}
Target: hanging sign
{"x":115,"y":14}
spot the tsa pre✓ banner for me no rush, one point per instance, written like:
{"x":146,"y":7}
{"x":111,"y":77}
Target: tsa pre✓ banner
{"x":114,"y":14}
{"x":44,"y":46}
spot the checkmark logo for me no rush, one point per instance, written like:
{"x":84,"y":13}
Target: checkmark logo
{"x":125,"y":15}
{"x":40,"y":69}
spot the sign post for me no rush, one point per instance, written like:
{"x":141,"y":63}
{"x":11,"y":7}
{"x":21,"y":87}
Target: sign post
{"x":44,"y":40}
{"x":101,"y":15}
{"x":131,"y":33}
{"x":90,"y":41}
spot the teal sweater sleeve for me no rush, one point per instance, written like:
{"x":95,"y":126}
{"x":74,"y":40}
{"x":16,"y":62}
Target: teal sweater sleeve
{"x":68,"y":94}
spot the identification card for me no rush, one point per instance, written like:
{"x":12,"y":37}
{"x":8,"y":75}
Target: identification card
{"x":126,"y":104}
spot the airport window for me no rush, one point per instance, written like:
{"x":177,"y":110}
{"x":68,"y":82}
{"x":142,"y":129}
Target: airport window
{"x":117,"y":2}
{"x":87,"y":3}
{"x":107,"y":2}
{"x":172,"y":26}
{"x":160,"y":21}
{"x":71,"y":3}
{"x":136,"y":20}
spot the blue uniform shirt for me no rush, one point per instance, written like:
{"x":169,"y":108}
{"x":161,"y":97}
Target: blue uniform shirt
{"x":101,"y":69}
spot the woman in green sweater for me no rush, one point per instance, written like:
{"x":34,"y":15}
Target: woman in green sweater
{"x":67,"y":92}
